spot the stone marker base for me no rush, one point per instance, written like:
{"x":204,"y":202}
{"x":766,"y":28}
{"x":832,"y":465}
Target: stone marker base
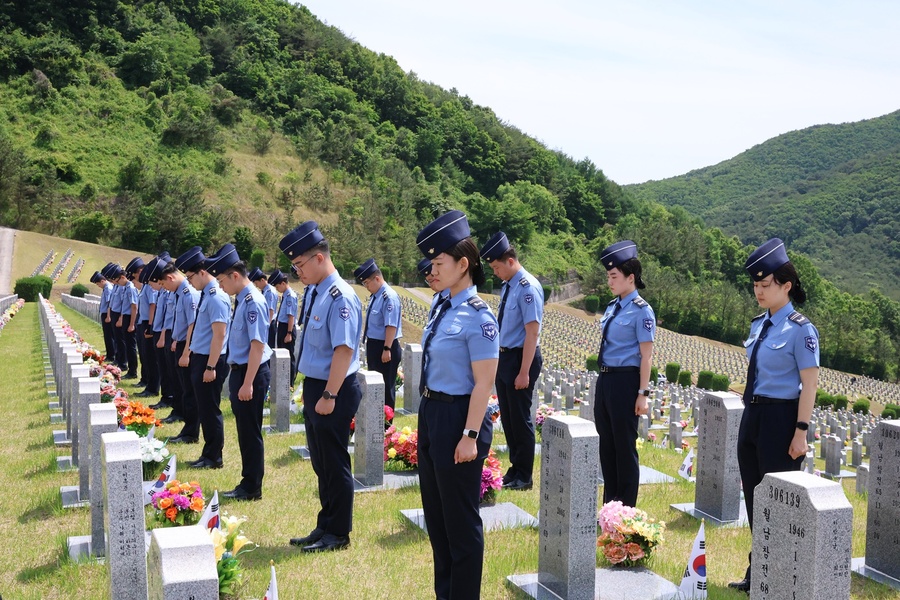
{"x":505,"y":515}
{"x":79,"y":547}
{"x":505,"y":448}
{"x":845,"y":474}
{"x":611,"y":583}
{"x":391,"y":481}
{"x":71,"y":497}
{"x":51,"y":393}
{"x":403,"y":412}
{"x":53,"y":405}
{"x":61,"y":437}
{"x":64,"y":463}
{"x":688,"y":508}
{"x":858,"y":565}
{"x":295,"y":428}
{"x":303,"y":452}
{"x":648,"y":475}
{"x":57,"y":418}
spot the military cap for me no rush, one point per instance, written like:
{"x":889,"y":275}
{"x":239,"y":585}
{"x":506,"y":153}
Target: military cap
{"x":193,"y":260}
{"x":615,"y":255}
{"x":222,"y":260}
{"x":424,"y":267}
{"x":300,"y":239}
{"x":277,"y":277}
{"x":365,"y":270}
{"x":443,"y":233}
{"x":766,"y":259}
{"x":256,"y":274}
{"x":495,"y":247}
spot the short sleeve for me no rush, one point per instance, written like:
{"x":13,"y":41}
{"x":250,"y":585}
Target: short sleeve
{"x":257,"y":321}
{"x":645,"y":326}
{"x":343,"y":323}
{"x":806,"y":347}
{"x":483,"y":337}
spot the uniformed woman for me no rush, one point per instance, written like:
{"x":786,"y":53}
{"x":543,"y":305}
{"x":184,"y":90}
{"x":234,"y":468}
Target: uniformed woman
{"x":626,"y":349}
{"x":782,"y":377}
{"x":460,"y":348}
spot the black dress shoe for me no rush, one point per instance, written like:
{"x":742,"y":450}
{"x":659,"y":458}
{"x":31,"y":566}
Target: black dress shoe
{"x":183,"y":439}
{"x":130,"y":376}
{"x":314,"y":536}
{"x":518,"y":485}
{"x":329,"y":543}
{"x":172,"y":419}
{"x":238,"y":493}
{"x":160,"y":405}
{"x":743,"y":585}
{"x":508,"y":477}
{"x":205,"y":463}
{"x":146,"y":394}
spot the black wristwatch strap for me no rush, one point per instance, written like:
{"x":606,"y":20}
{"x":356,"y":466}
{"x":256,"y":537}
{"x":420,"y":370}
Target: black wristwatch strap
{"x":802,"y":425}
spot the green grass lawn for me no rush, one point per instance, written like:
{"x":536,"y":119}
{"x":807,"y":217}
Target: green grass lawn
{"x":388,"y":557}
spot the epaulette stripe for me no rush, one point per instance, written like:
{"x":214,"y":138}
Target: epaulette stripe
{"x":798,"y":318}
{"x":640,"y":302}
{"x":335,"y":292}
{"x":524,"y":282}
{"x":758,"y":317}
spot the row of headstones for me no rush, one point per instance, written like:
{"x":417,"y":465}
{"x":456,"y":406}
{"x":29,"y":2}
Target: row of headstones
{"x":801,"y":544}
{"x":83,"y":306}
{"x":7,"y":301}
{"x":182,"y":560}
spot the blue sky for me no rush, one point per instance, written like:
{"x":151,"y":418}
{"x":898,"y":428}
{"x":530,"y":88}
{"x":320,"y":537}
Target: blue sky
{"x":646,"y":90}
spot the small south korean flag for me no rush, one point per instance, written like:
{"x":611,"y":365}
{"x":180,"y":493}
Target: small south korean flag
{"x":686,"y":469}
{"x":693,"y":583}
{"x":272,"y":590}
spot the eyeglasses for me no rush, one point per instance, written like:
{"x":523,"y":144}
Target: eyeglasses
{"x":189,"y":277}
{"x":297,"y":267}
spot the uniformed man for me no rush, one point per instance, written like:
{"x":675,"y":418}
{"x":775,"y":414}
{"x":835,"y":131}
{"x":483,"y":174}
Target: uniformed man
{"x":113,"y":272}
{"x":157,"y":343}
{"x":166,"y":342}
{"x":383,"y":328}
{"x":520,"y":316}
{"x":261,"y":281}
{"x":207,"y":340}
{"x":331,"y":393}
{"x":106,"y":290}
{"x":286,"y":318}
{"x":144,"y":331}
{"x":183,"y":313}
{"x":127,"y":322}
{"x":248,"y":355}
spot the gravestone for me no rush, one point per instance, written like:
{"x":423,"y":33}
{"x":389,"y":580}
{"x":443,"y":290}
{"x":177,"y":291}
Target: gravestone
{"x":862,"y":479}
{"x":675,"y":432}
{"x":182,"y":564}
{"x":717,"y":494}
{"x":643,"y":427}
{"x":809,"y":463}
{"x":801,"y":538}
{"x":124,"y":515}
{"x":280,"y":391}
{"x":832,"y":455}
{"x":88,"y":392}
{"x":856,"y":453}
{"x":883,"y":512}
{"x":368,"y":457}
{"x":568,"y":511}
{"x":412,"y":372}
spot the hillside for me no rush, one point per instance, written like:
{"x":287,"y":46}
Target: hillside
{"x":830,"y":191}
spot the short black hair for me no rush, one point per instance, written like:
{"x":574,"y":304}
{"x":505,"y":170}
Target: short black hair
{"x":510,"y":253}
{"x":240,"y":267}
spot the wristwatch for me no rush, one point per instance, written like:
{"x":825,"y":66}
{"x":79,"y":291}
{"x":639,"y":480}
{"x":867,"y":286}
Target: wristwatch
{"x":644,"y":393}
{"x":209,"y":368}
{"x":328,"y":395}
{"x":387,"y":348}
{"x":471,"y":433}
{"x":802,"y":425}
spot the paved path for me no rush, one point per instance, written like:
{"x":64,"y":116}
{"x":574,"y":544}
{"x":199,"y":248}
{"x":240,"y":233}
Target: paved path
{"x":7,"y":237}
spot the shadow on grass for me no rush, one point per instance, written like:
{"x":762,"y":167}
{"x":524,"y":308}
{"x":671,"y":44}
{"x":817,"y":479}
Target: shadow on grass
{"x":35,"y":573}
{"x":49,"y":466}
{"x":48,"y":506}
{"x":262,"y":555}
{"x":287,"y":458}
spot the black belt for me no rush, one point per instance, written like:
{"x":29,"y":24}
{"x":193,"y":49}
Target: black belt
{"x":767,"y":400}
{"x":605,"y":369}
{"x":243,"y":367}
{"x":502,"y":349}
{"x":442,"y":397}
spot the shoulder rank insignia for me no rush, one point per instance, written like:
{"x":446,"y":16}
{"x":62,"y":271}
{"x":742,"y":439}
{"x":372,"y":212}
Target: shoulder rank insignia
{"x":524,"y":282}
{"x":248,"y":298}
{"x":638,"y":301}
{"x":758,"y":317}
{"x":334,"y":292}
{"x":212,"y":291}
{"x":798,"y":318}
{"x":185,"y":290}
{"x":611,"y":302}
{"x":477,"y":303}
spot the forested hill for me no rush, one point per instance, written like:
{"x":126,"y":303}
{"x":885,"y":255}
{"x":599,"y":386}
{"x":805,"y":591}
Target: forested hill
{"x":165,"y":124}
{"x":830,"y":191}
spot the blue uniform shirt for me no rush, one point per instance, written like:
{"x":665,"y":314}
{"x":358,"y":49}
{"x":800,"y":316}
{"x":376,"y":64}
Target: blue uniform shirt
{"x":146,"y":297}
{"x":115,"y":302}
{"x":524,"y":304}
{"x":384,"y":312}
{"x":790,"y":345}
{"x":335,"y":320}
{"x":129,"y":297}
{"x":288,"y":306}
{"x":215,"y":307}
{"x":465,"y":335}
{"x":106,"y":297}
{"x":186,"y":298}
{"x":271,"y":297}
{"x":169,"y":323}
{"x":435,"y":300}
{"x":159,"y":317}
{"x":634,"y":324}
{"x":250,"y":323}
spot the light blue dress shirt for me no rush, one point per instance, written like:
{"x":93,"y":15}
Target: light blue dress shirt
{"x":250,"y":323}
{"x":524,"y":304}
{"x":129,"y":297}
{"x":288,"y":307}
{"x":384,"y":312}
{"x":186,"y":298}
{"x":106,"y":297}
{"x":635,"y":323}
{"x":117,"y":299}
{"x":271,"y":297}
{"x":159,"y":317}
{"x":214,"y":307}
{"x":464,"y":335}
{"x":790,"y":345}
{"x":146,"y":296}
{"x":335,"y":320}
{"x":169,"y":324}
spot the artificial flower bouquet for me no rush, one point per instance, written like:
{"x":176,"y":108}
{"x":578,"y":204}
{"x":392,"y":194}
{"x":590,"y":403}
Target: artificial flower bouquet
{"x":153,"y":456}
{"x":180,"y":503}
{"x":543,"y":412}
{"x":401,"y":447}
{"x":628,"y":536}
{"x":230,"y":543}
{"x":491,"y":479}
{"x":136,"y":417}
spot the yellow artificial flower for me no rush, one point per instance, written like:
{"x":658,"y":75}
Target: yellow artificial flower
{"x":402,"y":439}
{"x":218,"y":539}
{"x":406,"y":430}
{"x":392,"y":453}
{"x":239,"y":542}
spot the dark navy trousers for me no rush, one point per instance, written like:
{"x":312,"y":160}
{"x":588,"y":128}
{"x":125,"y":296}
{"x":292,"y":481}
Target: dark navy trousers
{"x":248,"y":418}
{"x":617,"y":425}
{"x":388,"y":370}
{"x":515,"y":411}
{"x":209,"y":398}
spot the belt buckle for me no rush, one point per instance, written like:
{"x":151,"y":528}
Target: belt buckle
{"x":604,"y":369}
{"x":427,"y":392}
